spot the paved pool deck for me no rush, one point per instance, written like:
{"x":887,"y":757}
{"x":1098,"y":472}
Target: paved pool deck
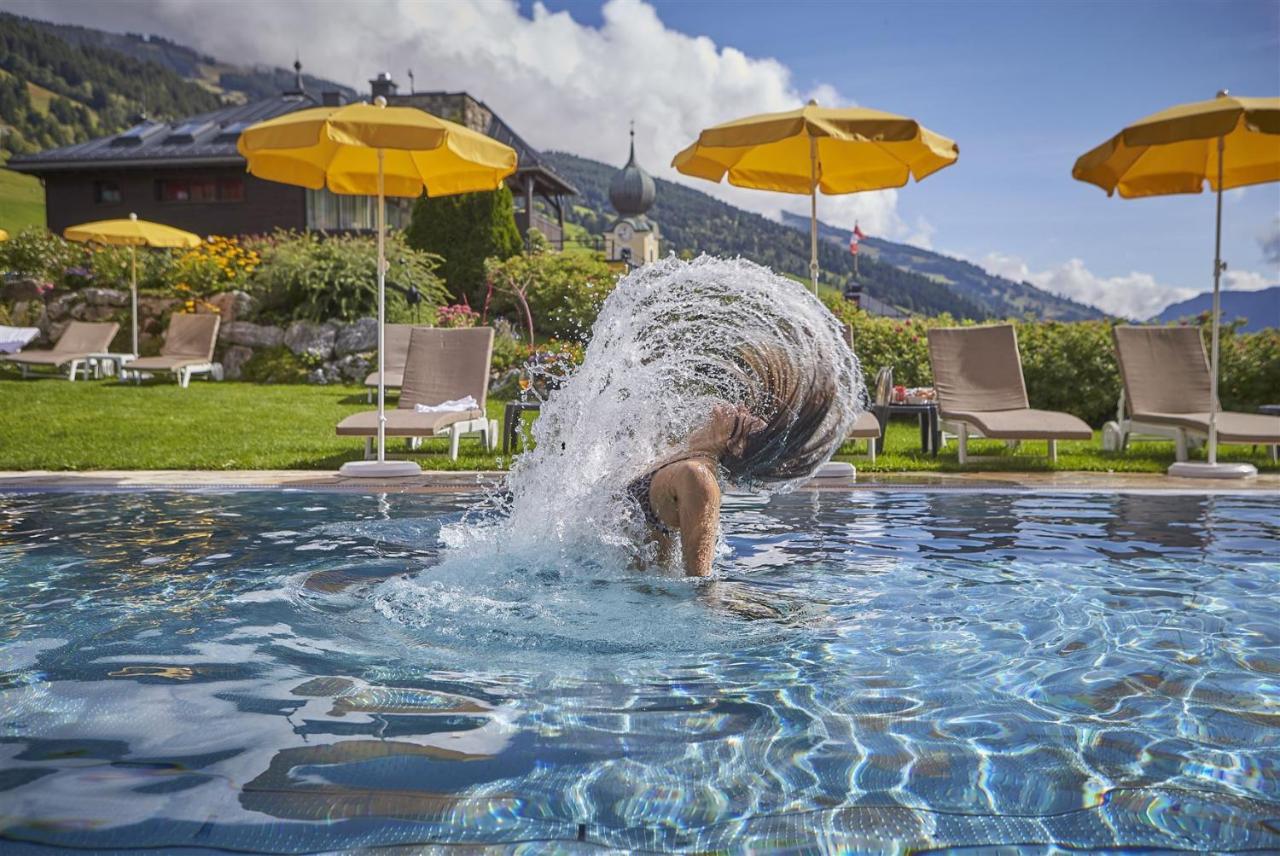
{"x":452,"y":482}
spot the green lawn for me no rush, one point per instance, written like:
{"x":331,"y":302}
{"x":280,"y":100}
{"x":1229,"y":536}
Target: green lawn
{"x":52,"y":424}
{"x":21,"y":201}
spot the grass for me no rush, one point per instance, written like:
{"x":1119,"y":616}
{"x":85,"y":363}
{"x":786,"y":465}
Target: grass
{"x":51,"y":424}
{"x":21,"y":201}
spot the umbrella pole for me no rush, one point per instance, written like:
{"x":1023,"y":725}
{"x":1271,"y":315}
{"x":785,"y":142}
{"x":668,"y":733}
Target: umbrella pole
{"x":133,"y":290}
{"x":382,"y":320}
{"x":1218,"y":267}
{"x":813,"y":213}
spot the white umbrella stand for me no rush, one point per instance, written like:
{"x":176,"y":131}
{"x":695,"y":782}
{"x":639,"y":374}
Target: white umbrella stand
{"x":1212,"y":468}
{"x":381,"y":468}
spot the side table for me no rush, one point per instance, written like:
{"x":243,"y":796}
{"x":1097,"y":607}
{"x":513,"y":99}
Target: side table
{"x":927,"y":414}
{"x":511,"y":421}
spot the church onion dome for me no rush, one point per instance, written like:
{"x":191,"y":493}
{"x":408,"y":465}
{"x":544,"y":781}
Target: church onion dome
{"x":632,"y":190}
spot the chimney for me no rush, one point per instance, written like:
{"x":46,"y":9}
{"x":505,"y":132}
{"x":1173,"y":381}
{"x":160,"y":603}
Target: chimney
{"x":332,"y":98}
{"x":383,"y":85}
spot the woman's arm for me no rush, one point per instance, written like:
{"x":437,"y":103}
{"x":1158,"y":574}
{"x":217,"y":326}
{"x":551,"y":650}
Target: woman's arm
{"x":686,"y":496}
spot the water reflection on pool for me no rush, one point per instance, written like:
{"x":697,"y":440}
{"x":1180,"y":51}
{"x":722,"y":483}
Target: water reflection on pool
{"x":875,"y":671}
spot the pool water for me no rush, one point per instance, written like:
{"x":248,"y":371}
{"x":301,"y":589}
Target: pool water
{"x":872,"y":671}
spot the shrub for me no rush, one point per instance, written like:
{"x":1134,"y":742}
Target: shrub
{"x":304,"y":277}
{"x":275,"y":365}
{"x":38,"y":253}
{"x":563,"y":291}
{"x":457,"y":315}
{"x":464,"y":230}
{"x":216,"y":265}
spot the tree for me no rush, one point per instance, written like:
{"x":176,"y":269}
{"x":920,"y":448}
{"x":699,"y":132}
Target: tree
{"x":465,"y":230}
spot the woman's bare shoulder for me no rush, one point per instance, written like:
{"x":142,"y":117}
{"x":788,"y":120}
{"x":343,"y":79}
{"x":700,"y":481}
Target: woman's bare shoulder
{"x":688,"y":471}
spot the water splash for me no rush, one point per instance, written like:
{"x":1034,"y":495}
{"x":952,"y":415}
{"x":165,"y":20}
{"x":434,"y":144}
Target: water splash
{"x":663,"y":352}
{"x":559,"y":548}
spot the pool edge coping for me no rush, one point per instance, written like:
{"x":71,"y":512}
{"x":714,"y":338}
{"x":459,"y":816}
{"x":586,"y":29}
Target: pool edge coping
{"x":468,"y":481}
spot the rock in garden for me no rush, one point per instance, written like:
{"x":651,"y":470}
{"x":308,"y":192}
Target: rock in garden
{"x":353,"y":368}
{"x":59,"y":308}
{"x":92,"y":312}
{"x":154,"y":307}
{"x":233,"y":361}
{"x":308,"y":339}
{"x":250,"y":334}
{"x":360,"y":335}
{"x":104,"y":297}
{"x":232,"y":305}
{"x":20,"y":289}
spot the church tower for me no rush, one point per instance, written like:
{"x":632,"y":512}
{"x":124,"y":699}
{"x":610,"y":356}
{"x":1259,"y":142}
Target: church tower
{"x":632,"y":238}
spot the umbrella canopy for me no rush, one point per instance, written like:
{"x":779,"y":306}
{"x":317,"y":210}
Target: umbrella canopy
{"x":376,"y":150}
{"x":1227,"y":142}
{"x":4,"y":235}
{"x":337,"y":148}
{"x":133,"y":233}
{"x":1176,"y":150}
{"x":830,"y":149}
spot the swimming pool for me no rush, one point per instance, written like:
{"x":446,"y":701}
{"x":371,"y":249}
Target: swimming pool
{"x":875,"y":671}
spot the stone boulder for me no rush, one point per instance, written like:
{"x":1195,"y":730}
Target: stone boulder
{"x":91,"y":312}
{"x":154,"y":307}
{"x":21,"y":289}
{"x":232,"y":305}
{"x":308,"y":339}
{"x":104,"y":297}
{"x":59,"y":308}
{"x":250,"y":334}
{"x":233,"y":360}
{"x":360,"y":335}
{"x":353,"y":368}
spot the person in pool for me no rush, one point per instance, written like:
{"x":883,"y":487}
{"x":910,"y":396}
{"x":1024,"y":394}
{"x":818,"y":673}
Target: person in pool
{"x":779,"y":434}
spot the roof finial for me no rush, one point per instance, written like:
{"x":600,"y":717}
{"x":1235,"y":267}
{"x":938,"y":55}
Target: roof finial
{"x":297,"y":75}
{"x":411,"y":89}
{"x":632,"y":158}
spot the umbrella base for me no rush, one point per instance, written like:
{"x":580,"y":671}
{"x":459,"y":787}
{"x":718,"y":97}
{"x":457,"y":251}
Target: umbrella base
{"x":836,"y":470}
{"x":379,"y":469}
{"x":1202,"y":470}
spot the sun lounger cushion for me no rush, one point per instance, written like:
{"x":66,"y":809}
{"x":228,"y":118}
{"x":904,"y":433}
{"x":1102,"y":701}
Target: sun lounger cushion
{"x":1164,"y":369}
{"x":977,"y":368}
{"x":393,"y":378}
{"x":165,"y":364}
{"x":402,"y":422}
{"x":1022,"y":424}
{"x":1232,"y":427}
{"x":191,"y":336}
{"x":866,"y":428}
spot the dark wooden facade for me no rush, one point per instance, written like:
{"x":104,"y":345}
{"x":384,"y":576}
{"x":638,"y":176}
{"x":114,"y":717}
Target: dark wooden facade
{"x":71,"y":198}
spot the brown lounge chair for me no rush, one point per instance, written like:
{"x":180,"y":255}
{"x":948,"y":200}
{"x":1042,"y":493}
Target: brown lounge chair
{"x":978,"y":376}
{"x":187,"y":350}
{"x":1166,"y":393}
{"x":867,"y":427}
{"x":396,"y":339}
{"x":76,"y":347}
{"x":442,"y":365}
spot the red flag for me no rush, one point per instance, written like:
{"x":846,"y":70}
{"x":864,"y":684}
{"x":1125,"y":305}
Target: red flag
{"x":854,"y":237}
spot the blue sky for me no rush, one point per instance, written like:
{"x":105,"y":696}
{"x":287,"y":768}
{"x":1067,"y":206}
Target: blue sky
{"x":1024,"y":88}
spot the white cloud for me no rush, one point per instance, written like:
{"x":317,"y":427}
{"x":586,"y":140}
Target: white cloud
{"x":1135,"y":295}
{"x":1269,"y":242}
{"x":561,"y":84}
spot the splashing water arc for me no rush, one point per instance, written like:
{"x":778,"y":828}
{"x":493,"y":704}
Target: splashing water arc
{"x":664,"y":351}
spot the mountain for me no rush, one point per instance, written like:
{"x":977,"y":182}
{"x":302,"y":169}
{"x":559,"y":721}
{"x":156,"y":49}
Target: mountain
{"x":232,"y":82}
{"x":62,"y":84}
{"x":695,"y":222}
{"x":1001,"y":297}
{"x":1260,"y":308}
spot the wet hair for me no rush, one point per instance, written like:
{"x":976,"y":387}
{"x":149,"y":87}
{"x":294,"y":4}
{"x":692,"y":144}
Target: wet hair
{"x":793,"y":404}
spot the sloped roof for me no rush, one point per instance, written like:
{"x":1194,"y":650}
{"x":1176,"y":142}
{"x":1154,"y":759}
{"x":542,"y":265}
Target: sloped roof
{"x":213,"y":140}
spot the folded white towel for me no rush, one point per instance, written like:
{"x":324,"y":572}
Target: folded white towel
{"x":458,"y":405}
{"x":14,"y":338}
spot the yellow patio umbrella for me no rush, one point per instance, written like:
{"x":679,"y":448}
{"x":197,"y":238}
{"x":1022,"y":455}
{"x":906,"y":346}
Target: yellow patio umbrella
{"x":833,"y":149}
{"x":376,"y":150}
{"x":4,"y":235}
{"x":1227,"y":142}
{"x":133,"y":233}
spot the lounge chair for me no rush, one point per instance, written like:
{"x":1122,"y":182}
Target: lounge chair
{"x":1166,"y":393}
{"x":867,"y":427}
{"x":442,"y":365}
{"x":75,"y":348}
{"x":396,"y":339}
{"x":187,"y":350}
{"x":981,"y":393}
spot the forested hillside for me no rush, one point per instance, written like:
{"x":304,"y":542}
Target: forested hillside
{"x":53,"y":94}
{"x":692,"y":221}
